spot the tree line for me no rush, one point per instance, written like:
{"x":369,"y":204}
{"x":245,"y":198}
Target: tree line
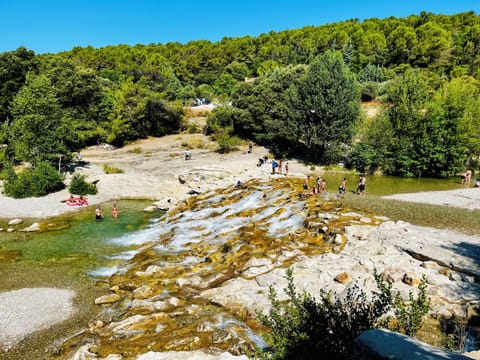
{"x":302,"y":94}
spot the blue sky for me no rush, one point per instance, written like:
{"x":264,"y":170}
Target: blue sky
{"x":54,"y":26}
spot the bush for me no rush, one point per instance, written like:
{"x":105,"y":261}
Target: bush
{"x":304,"y":328}
{"x":409,"y":316}
{"x":227,"y":143}
{"x":79,"y":186}
{"x":108,"y":169}
{"x":33,"y":182}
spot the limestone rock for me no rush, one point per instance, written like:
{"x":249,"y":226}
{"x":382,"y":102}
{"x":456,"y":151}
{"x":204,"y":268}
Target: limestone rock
{"x":411,"y":278}
{"x":343,"y":278}
{"x":83,"y":353}
{"x":257,"y":266}
{"x":143,"y":292}
{"x":32,"y":228}
{"x":14,"y":222}
{"x":429,"y":265}
{"x":150,"y":209}
{"x":383,"y":344}
{"x":393,"y":275}
{"x":182,"y":179}
{"x":106,"y":299}
{"x":359,"y":232}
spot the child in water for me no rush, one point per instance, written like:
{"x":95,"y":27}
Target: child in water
{"x":115,"y":211}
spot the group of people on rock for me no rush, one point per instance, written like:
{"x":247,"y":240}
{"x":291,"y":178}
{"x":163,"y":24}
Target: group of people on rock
{"x":278,"y":167}
{"x":318,"y":188}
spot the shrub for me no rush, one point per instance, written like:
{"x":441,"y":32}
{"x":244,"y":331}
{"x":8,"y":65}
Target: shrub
{"x":409,"y":315}
{"x":193,"y":128}
{"x":304,"y":328}
{"x":33,"y":182}
{"x":79,"y":186}
{"x":108,"y":169}
{"x":227,"y":143}
{"x":193,"y":143}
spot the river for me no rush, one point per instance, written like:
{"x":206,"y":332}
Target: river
{"x":81,"y":253}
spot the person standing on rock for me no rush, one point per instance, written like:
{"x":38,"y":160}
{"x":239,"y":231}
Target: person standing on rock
{"x":306,"y":183}
{"x":342,"y":188}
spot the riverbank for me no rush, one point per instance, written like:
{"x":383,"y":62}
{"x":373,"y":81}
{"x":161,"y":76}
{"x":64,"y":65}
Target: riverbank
{"x":156,"y":169}
{"x":465,"y":198}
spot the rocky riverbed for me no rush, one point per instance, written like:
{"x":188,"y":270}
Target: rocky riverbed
{"x":199,"y":282}
{"x":212,"y":259}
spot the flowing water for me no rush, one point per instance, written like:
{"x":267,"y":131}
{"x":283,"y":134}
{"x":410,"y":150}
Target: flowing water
{"x":196,"y":237}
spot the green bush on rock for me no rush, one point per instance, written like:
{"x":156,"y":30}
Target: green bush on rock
{"x":303,"y":327}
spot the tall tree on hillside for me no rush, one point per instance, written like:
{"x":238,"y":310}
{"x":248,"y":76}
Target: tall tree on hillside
{"x":454,"y":127}
{"x":39,"y":130}
{"x":406,"y":112}
{"x":14,"y":66}
{"x":325,"y":106}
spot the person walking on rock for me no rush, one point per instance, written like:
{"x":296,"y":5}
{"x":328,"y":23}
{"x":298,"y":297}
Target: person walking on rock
{"x":342,"y":188}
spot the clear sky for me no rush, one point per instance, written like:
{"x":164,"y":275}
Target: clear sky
{"x":51,"y":26}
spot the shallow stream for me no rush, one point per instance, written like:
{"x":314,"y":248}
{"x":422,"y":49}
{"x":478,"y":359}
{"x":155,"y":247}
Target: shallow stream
{"x":76,"y":248}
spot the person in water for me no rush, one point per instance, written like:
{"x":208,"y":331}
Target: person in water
{"x":98,"y":213}
{"x":115,"y":211}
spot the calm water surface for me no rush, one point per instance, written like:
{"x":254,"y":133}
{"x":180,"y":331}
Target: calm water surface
{"x":81,"y":243}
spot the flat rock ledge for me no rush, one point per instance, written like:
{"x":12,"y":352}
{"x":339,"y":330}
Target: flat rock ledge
{"x":380,"y":344}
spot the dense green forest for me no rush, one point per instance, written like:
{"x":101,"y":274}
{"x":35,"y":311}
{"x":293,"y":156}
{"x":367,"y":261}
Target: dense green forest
{"x":298,"y":92}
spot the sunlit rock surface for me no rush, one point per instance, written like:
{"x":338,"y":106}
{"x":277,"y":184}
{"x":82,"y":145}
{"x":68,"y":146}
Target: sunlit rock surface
{"x":196,"y":278}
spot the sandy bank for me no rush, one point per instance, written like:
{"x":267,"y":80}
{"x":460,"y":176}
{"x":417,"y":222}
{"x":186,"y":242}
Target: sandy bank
{"x":27,"y":310}
{"x":461,"y":198}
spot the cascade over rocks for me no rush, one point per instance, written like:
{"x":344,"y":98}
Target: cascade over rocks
{"x":198,"y":283}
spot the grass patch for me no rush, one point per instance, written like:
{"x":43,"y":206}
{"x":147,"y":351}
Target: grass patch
{"x":193,"y":143}
{"x":108,"y":169}
{"x":440,"y":217}
{"x":136,"y":150}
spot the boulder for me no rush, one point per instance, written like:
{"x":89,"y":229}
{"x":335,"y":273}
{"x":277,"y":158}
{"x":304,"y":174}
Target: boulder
{"x":343,"y":278}
{"x":14,"y":222}
{"x":150,"y":209}
{"x":382,"y":344}
{"x":182,"y":179}
{"x":143,"y":292}
{"x":107,"y":299}
{"x":32,"y":228}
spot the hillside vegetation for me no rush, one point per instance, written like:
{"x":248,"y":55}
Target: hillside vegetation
{"x":296,"y":91}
